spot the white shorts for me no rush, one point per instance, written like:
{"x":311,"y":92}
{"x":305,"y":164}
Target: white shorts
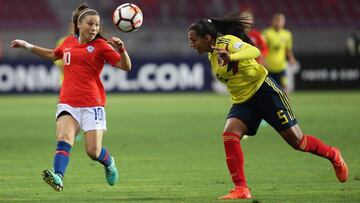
{"x":89,"y":118}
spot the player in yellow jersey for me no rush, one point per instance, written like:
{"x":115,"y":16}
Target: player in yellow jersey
{"x":60,"y":63}
{"x":254,"y":95}
{"x":280,"y":43}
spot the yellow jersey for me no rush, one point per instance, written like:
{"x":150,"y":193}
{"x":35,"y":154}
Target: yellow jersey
{"x":278,"y":42}
{"x":242,"y":76}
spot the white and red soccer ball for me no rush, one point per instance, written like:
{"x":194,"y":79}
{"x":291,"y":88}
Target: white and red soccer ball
{"x":127,"y":17}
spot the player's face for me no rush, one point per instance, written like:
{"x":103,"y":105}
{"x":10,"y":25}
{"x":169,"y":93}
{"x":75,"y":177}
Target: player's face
{"x":248,"y":18}
{"x":201,"y":45}
{"x":89,"y":27}
{"x":278,"y":21}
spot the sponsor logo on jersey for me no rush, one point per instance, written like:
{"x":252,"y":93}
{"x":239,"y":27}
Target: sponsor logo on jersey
{"x":237,"y":45}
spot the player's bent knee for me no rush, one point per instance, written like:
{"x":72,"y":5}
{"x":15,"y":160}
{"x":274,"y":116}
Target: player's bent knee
{"x":295,"y":144}
{"x":302,"y":144}
{"x":293,"y":136}
{"x":66,"y":137}
{"x":92,"y":155}
{"x":93,"y":152}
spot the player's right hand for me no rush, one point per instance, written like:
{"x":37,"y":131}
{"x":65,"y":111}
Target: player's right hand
{"x":223,"y":54}
{"x":18,"y":43}
{"x":116,"y":43}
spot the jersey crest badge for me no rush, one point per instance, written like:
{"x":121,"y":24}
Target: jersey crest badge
{"x":90,"y":49}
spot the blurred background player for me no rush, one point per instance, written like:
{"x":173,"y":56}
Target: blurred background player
{"x":254,"y":96}
{"x":82,"y":95}
{"x":280,"y":44}
{"x":1,"y":49}
{"x":353,"y":43}
{"x":60,"y":63}
{"x":258,"y":41}
{"x":256,"y":37}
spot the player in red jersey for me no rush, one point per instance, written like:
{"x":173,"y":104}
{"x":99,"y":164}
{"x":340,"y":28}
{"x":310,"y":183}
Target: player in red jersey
{"x":256,"y":37}
{"x":82,"y":95}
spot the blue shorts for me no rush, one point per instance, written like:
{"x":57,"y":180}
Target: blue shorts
{"x":269,"y":103}
{"x":280,"y":78}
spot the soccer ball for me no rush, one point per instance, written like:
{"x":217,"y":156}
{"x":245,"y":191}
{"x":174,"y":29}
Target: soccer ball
{"x":127,"y":17}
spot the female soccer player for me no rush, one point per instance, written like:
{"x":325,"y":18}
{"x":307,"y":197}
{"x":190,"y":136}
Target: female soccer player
{"x":280,"y":44}
{"x":254,"y":95}
{"x":256,"y":37}
{"x":82,"y":95}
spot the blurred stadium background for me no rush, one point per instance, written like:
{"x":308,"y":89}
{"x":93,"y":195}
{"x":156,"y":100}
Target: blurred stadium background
{"x":325,"y":35}
{"x":323,"y":32}
{"x":168,"y":145}
{"x":319,"y":26}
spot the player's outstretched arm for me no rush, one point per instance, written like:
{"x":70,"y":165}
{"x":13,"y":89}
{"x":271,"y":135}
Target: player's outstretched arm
{"x":40,"y":51}
{"x":125,"y":62}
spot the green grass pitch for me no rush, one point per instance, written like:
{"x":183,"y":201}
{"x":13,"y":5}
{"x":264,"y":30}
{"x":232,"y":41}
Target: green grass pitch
{"x":168,"y":148}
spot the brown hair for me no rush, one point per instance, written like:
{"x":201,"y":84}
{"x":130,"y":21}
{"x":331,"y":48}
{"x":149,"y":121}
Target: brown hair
{"x":80,"y":12}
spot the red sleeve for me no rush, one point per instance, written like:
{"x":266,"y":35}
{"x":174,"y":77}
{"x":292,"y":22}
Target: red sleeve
{"x":59,"y":50}
{"x":110,"y":55}
{"x":264,"y":49}
{"x":260,"y":42}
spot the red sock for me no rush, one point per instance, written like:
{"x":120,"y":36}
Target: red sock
{"x":313,"y":145}
{"x":234,"y":158}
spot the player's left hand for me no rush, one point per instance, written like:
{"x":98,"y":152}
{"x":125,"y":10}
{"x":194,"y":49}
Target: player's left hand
{"x":292,"y":61}
{"x":116,"y":43}
{"x":223,"y":54}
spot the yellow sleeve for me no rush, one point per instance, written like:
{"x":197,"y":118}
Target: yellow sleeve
{"x":60,"y":62}
{"x":242,"y":51}
{"x":265,"y":34}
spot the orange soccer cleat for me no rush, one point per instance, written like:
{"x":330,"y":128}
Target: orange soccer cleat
{"x":341,"y":169}
{"x":237,"y":192}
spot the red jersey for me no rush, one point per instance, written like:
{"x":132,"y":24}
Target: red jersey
{"x":83,"y":64}
{"x":258,"y":41}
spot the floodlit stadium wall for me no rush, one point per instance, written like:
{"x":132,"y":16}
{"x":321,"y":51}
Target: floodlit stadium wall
{"x":147,"y":75}
{"x":175,"y":75}
{"x":324,"y":72}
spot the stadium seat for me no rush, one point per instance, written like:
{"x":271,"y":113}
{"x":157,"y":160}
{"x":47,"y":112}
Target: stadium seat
{"x":28,"y":14}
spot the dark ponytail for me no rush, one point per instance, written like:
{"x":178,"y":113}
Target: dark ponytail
{"x":231,"y":24}
{"x":75,"y":18}
{"x":205,"y":27}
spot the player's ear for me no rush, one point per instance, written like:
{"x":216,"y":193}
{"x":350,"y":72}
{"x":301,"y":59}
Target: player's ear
{"x":207,"y":37}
